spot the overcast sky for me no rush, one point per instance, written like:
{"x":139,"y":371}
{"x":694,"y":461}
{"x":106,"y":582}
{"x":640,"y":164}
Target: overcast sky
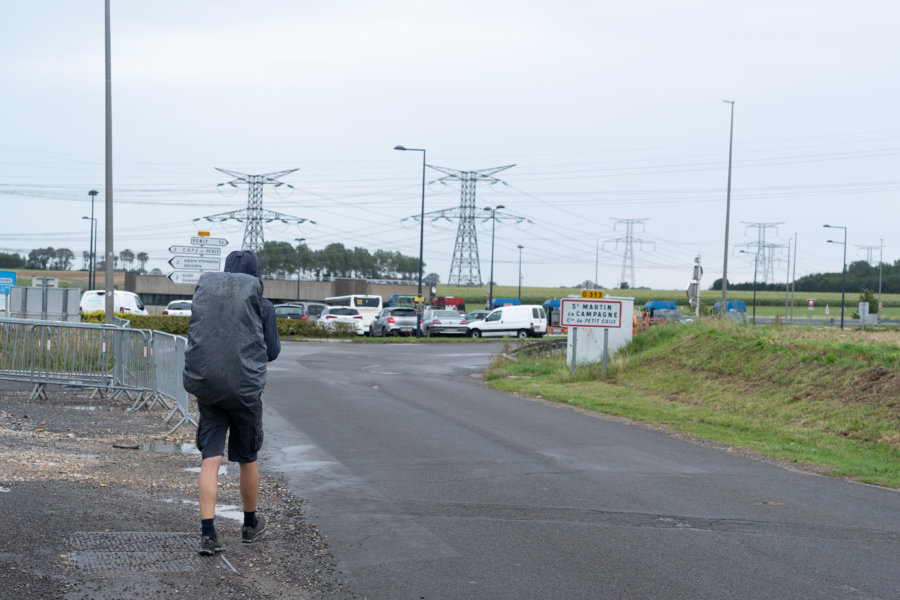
{"x":608,"y":110}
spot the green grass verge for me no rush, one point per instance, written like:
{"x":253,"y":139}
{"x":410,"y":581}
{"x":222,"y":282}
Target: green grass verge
{"x":826,"y":398}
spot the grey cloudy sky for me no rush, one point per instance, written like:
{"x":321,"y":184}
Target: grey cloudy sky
{"x":609,"y":111}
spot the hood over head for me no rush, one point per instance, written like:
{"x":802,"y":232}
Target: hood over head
{"x":243,"y":261}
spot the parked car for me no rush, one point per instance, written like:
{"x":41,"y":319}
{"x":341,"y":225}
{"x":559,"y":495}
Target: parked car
{"x":290,"y":311}
{"x":342,"y":314}
{"x":179,"y":308}
{"x":123,"y":302}
{"x":314,"y":310}
{"x":477,"y":315}
{"x":395,"y":320}
{"x":443,"y":322}
{"x":527,"y":320}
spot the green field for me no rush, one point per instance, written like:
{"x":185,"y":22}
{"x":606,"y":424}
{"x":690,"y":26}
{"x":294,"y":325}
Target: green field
{"x":768,"y":304}
{"x":827,"y":398}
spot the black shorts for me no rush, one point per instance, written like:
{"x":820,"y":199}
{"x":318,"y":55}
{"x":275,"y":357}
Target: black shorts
{"x":244,"y":428}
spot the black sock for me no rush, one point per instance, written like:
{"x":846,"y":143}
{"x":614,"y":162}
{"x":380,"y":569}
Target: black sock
{"x":249,"y":519}
{"x":208,"y":527}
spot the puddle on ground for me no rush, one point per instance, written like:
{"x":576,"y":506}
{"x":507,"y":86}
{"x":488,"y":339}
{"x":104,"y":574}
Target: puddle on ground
{"x":167,"y":448}
{"x":223,"y":470}
{"x":87,"y":408}
{"x":226,"y":511}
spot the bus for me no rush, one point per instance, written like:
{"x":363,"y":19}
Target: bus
{"x":368,"y":306}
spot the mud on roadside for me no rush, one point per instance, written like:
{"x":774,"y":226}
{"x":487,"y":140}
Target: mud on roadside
{"x":89,"y":514}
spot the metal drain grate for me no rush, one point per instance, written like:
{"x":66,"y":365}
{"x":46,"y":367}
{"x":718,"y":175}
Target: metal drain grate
{"x":133,"y":552}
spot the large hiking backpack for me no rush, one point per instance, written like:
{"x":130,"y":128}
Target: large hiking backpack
{"x":225,"y":361}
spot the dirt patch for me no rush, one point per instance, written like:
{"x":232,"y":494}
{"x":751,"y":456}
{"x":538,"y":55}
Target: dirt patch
{"x":70,"y":466}
{"x":878,"y":386}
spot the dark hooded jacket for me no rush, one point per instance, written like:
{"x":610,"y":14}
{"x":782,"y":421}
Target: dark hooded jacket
{"x":231,"y":336}
{"x":244,"y":261}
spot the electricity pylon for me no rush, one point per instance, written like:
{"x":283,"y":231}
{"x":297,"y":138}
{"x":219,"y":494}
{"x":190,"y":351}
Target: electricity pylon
{"x":628,"y":240}
{"x":254,"y":215}
{"x":465,"y":268}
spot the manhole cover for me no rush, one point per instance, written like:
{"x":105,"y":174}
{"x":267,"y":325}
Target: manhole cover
{"x":130,"y":552}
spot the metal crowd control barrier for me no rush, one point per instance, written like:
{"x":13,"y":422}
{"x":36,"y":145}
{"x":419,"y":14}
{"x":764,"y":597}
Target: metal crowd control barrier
{"x":147,"y":363}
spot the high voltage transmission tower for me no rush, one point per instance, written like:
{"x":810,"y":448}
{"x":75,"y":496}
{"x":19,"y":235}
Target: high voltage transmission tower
{"x":869,"y":252}
{"x":628,"y":240}
{"x":765,"y":258}
{"x":465,"y":268}
{"x":254,"y":215}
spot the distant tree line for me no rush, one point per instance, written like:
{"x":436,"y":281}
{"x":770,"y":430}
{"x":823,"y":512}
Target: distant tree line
{"x":63,"y":259}
{"x":281,"y":259}
{"x":860,"y":275}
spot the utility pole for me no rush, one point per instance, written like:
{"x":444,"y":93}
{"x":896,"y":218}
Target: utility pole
{"x":880,"y":263}
{"x":727,"y":213}
{"x":254,"y":215}
{"x":765,"y":258}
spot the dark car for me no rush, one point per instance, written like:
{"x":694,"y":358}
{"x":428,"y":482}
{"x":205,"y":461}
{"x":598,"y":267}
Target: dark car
{"x":439,"y":321}
{"x":394,"y":320}
{"x":290,"y":311}
{"x":477,"y":315}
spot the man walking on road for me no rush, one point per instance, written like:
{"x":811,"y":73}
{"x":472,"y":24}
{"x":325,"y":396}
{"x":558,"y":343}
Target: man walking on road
{"x":232,"y":335}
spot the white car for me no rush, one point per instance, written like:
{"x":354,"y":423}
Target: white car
{"x":527,"y":320}
{"x":350,"y":317}
{"x":123,"y":302}
{"x":179,"y":308}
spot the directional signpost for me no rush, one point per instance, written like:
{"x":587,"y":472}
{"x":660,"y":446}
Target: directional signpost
{"x":195,"y":263}
{"x":191,"y":261}
{"x":196,"y":250}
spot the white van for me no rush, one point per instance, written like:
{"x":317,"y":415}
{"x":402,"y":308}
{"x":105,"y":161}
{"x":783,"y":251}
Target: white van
{"x":124,"y":302}
{"x":526,"y":320}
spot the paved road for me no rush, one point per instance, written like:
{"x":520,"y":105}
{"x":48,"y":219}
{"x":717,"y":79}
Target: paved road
{"x":428,"y":485}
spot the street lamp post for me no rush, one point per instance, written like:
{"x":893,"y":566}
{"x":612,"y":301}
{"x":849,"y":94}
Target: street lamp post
{"x":727,"y":211}
{"x":843,"y":269}
{"x":421,"y":229}
{"x":90,"y":252}
{"x":493,"y":228}
{"x":299,"y":265}
{"x":520,"y":246}
{"x":92,"y":243}
{"x":755,"y":268}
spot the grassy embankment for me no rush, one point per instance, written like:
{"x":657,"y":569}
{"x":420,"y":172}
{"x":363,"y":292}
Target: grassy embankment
{"x":825,"y":398}
{"x":768,"y":304}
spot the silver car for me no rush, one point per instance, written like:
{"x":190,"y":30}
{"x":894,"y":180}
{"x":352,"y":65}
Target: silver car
{"x":394,"y":320}
{"x":440,"y":321}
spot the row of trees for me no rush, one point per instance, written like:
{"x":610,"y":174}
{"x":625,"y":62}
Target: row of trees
{"x":63,"y":259}
{"x":860,"y":275}
{"x":281,"y":259}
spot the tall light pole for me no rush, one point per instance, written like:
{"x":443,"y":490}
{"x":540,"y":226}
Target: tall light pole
{"x":299,"y":242}
{"x":843,"y":269}
{"x":108,"y":221}
{"x":92,"y":243}
{"x":90,"y":251}
{"x":880,"y":262}
{"x":727,"y":212}
{"x":755,"y":265}
{"x":520,"y":246}
{"x":421,"y":229}
{"x":493,"y":228}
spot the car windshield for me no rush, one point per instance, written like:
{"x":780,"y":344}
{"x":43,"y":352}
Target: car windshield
{"x":403,"y":312}
{"x":179,"y":306}
{"x":446,"y":314}
{"x":343,"y":311}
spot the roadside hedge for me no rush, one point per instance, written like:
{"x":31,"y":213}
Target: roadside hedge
{"x":179,"y":325}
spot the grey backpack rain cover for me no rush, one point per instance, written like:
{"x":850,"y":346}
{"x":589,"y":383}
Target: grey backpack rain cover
{"x":225,"y":361}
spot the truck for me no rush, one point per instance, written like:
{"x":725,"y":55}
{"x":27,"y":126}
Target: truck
{"x":457,"y":304}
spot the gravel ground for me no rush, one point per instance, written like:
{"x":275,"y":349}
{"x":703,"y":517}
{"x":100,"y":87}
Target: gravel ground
{"x":90,"y":513}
